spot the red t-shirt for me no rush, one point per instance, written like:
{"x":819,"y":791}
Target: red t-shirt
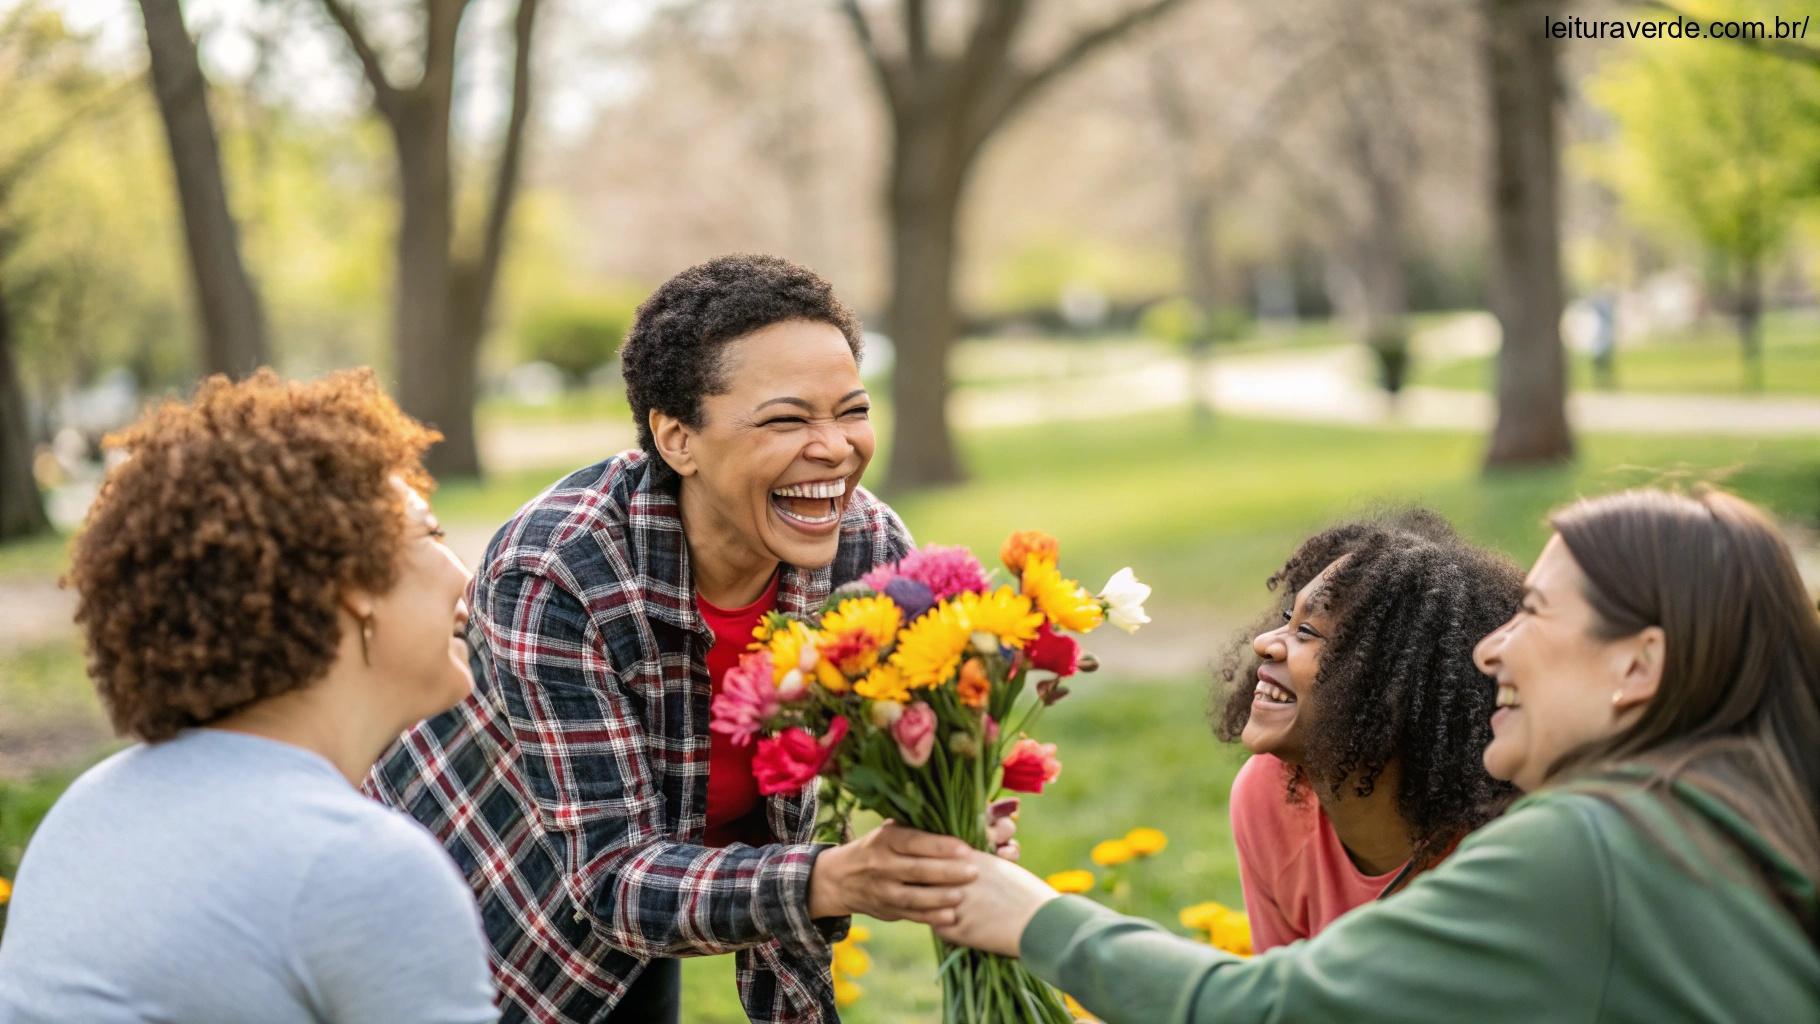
{"x":735,"y":811}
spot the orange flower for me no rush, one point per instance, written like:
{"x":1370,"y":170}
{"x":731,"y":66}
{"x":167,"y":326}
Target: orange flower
{"x":1024,"y":543}
{"x":974,"y":687}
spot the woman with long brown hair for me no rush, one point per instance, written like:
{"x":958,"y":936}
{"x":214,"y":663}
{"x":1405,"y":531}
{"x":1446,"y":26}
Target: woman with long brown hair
{"x":1660,"y":701}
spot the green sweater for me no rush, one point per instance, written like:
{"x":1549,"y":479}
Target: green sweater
{"x":1563,"y":910}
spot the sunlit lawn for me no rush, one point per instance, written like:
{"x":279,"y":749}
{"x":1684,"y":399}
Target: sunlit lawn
{"x":1204,"y":517}
{"x":1703,"y":360}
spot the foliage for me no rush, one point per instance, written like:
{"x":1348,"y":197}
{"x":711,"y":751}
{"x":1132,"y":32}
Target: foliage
{"x":577,"y":333}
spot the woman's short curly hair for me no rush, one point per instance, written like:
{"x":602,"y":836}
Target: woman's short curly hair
{"x":671,"y":358}
{"x":1396,"y":680}
{"x":210,"y":570}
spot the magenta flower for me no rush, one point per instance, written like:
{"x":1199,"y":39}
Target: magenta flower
{"x":945,"y":571}
{"x":747,"y":699}
{"x":914,"y":732}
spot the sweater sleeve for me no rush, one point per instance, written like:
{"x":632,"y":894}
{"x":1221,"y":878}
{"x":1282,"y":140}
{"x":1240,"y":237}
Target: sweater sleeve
{"x":1518,"y":919}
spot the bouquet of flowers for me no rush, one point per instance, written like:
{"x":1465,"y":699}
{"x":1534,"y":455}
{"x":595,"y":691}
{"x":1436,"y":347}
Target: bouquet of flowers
{"x":915,"y":691}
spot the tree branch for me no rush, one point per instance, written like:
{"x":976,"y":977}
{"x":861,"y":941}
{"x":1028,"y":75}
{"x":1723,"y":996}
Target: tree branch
{"x":1025,"y":86}
{"x":1787,"y":49}
{"x":505,"y":180}
{"x":881,"y":68}
{"x":385,"y":94}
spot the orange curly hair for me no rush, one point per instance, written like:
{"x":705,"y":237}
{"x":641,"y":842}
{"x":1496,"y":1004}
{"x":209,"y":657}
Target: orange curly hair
{"x":211,"y":567}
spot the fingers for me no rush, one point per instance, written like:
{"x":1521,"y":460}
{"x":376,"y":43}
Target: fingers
{"x":928,"y":871}
{"x":1010,"y":851}
{"x":909,"y":842}
{"x":1001,"y":831}
{"x":914,"y":900}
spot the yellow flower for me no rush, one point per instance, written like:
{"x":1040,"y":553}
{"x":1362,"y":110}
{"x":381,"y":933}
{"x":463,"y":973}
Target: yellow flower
{"x":1079,"y":1011}
{"x":1112,"y":853}
{"x":1004,"y":613}
{"x":787,"y":644}
{"x":930,"y":649}
{"x":6,"y":892}
{"x":884,"y":682}
{"x":846,"y":993}
{"x":1146,"y":842}
{"x":1076,"y":881}
{"x":850,"y":961}
{"x":1223,"y":927}
{"x":877,"y":617}
{"x":1066,"y":603}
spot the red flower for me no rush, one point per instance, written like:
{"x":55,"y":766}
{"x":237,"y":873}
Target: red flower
{"x":1031,"y":765}
{"x":1054,"y":652}
{"x":794,"y":757}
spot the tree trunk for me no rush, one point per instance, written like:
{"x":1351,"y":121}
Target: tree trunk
{"x":923,"y":195}
{"x":1526,"y":282}
{"x":430,"y":350}
{"x":1750,"y":320}
{"x":21,"y":506}
{"x":1201,"y":276}
{"x":233,"y":323}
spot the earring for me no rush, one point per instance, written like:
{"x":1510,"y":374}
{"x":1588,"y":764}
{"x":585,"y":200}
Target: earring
{"x":366,"y":640}
{"x":1617,"y":697}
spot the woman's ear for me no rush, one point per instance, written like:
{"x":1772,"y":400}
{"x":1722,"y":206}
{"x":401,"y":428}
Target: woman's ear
{"x":674,"y":439}
{"x":1640,"y":675}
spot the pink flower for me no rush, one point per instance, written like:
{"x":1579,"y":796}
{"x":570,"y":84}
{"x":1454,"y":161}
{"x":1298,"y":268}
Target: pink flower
{"x":1054,"y":652}
{"x":793,"y":758}
{"x":945,"y":571}
{"x":747,"y":699}
{"x":914,"y":732}
{"x":1031,"y":765}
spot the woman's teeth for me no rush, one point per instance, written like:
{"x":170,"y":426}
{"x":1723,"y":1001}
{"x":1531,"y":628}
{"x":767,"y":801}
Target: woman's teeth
{"x":1507,"y":696}
{"x":829,"y":489}
{"x":1273,"y":692}
{"x":830,"y":516}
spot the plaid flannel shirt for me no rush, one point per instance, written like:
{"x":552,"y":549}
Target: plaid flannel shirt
{"x":571,"y":787}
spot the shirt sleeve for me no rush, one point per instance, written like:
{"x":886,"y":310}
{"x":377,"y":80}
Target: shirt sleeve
{"x":386,"y":930}
{"x":584,"y":754}
{"x":1519,"y":917}
{"x":1270,"y":926}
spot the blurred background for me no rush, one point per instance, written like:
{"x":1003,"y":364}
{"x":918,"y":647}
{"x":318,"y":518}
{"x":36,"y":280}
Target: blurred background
{"x":1177,"y":280}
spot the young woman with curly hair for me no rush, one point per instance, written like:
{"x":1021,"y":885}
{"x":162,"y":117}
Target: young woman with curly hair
{"x":1366,"y":717}
{"x":266,"y":601}
{"x":1659,"y":702}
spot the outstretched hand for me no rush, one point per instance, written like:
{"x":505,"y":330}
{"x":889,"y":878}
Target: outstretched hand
{"x":892,"y":873}
{"x":996,"y":907}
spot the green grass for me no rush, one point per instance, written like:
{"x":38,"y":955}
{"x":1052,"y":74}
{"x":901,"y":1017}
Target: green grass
{"x":39,"y":556}
{"x":1203,"y":517}
{"x":566,"y":407}
{"x":1702,"y":361}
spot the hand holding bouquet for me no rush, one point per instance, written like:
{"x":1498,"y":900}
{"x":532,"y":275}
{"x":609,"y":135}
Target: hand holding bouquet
{"x":915,"y":691}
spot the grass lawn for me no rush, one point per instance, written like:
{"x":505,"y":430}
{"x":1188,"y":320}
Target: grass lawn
{"x":1704,"y":360}
{"x":1202,"y":517}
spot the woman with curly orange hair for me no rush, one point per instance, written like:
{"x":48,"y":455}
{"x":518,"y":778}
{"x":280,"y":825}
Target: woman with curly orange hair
{"x":267,"y":602}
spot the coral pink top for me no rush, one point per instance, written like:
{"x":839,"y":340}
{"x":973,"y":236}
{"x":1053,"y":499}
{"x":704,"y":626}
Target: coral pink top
{"x":1298,"y":878}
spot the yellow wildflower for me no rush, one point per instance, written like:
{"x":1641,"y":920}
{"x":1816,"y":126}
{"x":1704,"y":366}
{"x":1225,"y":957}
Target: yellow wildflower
{"x":1112,"y":853}
{"x":1006,"y":614}
{"x":884,"y":682}
{"x":1223,"y":927}
{"x":930,"y":649}
{"x":1077,"y":881}
{"x":6,"y":892}
{"x":1146,"y":842}
{"x":1080,"y":1012}
{"x":1066,"y":602}
{"x":850,"y":961}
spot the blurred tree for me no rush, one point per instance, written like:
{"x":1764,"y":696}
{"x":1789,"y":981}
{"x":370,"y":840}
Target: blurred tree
{"x":228,"y":306}
{"x":578,"y":333}
{"x":1520,"y":63}
{"x":945,"y":104}
{"x":444,"y":290}
{"x":1716,"y":143}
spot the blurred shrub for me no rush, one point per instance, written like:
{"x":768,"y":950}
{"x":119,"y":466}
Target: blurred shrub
{"x":577,"y":334}
{"x":1181,"y":322}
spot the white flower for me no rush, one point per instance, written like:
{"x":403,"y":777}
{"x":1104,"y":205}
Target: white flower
{"x":884,"y":713}
{"x":985,"y":643}
{"x":791,"y":686}
{"x":1125,"y":597}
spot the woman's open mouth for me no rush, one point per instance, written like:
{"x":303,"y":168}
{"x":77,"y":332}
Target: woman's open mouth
{"x":813,"y":506}
{"x":1508,"y":704}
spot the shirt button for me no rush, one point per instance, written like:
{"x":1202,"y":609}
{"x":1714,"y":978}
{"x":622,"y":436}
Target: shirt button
{"x":580,"y":917}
